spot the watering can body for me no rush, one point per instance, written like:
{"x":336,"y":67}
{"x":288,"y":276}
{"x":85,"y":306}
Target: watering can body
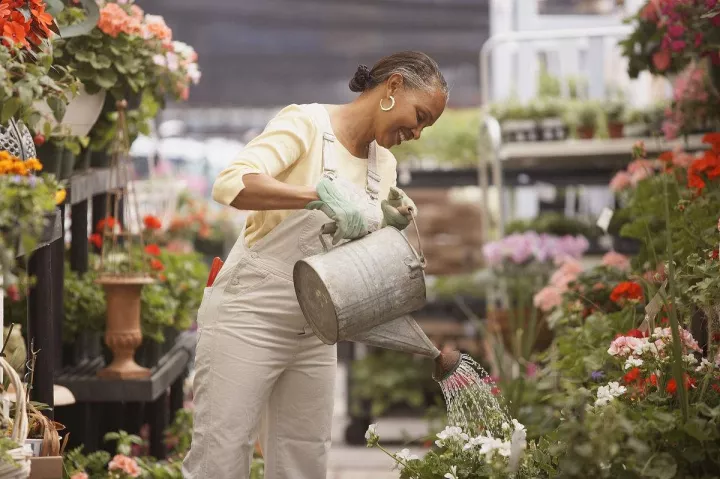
{"x":363,"y":291}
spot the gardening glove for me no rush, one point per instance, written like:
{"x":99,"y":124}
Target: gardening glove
{"x":391,"y":216}
{"x":347,"y":216}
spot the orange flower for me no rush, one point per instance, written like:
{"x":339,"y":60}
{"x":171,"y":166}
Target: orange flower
{"x":153,"y":250}
{"x":33,"y":164}
{"x":126,"y":464}
{"x":44,"y":19}
{"x":157,"y":265}
{"x":671,"y":387}
{"x":152,"y":222}
{"x":96,"y":240}
{"x":632,"y":376}
{"x":16,"y":32}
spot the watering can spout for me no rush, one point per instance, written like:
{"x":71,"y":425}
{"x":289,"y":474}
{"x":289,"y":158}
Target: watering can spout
{"x":401,"y":334}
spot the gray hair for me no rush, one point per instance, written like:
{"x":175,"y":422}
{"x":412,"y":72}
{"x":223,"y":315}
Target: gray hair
{"x":417,"y":69}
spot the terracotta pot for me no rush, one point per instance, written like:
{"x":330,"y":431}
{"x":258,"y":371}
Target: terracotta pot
{"x":122,"y":329}
{"x":586,"y":132}
{"x":615,"y":130}
{"x":499,"y":322}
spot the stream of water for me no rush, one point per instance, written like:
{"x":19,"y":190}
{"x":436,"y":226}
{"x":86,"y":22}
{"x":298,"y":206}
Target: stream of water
{"x":470,"y":396}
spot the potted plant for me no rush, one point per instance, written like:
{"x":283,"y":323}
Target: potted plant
{"x":516,"y":120}
{"x":550,"y":113}
{"x":587,"y":117}
{"x":614,"y":114}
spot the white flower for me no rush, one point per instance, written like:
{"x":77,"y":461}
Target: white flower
{"x":172,"y":61}
{"x":704,"y":364}
{"x":450,"y":434}
{"x":690,"y":359}
{"x":518,"y":443}
{"x":405,"y":455}
{"x":159,"y":60}
{"x":517,"y":425}
{"x":605,"y":394}
{"x":452,"y":474}
{"x":505,"y":426}
{"x":193,"y":73}
{"x":371,"y":435}
{"x":633,"y":362}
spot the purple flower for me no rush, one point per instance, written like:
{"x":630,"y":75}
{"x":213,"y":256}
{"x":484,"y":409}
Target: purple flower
{"x":597,"y":375}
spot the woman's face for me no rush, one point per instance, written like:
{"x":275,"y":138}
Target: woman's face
{"x":414,"y":110}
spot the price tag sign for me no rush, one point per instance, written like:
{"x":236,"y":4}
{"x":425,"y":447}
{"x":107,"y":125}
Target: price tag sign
{"x":652,"y":309}
{"x":603,"y":221}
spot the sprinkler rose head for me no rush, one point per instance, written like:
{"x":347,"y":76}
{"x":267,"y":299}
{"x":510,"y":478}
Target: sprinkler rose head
{"x":446,"y":364}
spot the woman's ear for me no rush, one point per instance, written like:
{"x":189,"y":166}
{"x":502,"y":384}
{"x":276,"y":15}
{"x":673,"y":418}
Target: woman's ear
{"x":394,"y":83}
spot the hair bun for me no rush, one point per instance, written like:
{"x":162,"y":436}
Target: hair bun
{"x":362,"y":79}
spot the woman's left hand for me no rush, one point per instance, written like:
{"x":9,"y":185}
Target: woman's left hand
{"x":391,"y":216}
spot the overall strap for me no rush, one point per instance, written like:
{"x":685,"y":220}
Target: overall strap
{"x":329,"y":163}
{"x":373,"y":177}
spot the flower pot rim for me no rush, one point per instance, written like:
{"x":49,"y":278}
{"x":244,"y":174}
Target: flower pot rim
{"x":125,"y":280}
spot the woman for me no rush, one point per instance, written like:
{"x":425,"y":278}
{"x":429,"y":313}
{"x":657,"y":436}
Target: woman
{"x":259,"y":368}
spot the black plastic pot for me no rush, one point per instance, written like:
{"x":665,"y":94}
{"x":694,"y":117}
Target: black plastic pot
{"x":51,"y":157}
{"x":82,"y":162}
{"x":67,"y":164}
{"x":99,"y":159}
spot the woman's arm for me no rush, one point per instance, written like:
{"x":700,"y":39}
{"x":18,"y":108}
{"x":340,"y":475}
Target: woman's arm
{"x":263,"y":192}
{"x":249,"y":183}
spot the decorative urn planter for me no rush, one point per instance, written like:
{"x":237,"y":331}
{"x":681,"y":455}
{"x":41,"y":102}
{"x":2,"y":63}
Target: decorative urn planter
{"x":123,"y":334}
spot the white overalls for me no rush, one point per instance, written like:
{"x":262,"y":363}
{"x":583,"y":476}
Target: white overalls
{"x":257,"y":357}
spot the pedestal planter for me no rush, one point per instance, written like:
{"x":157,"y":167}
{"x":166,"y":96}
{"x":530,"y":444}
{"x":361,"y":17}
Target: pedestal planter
{"x":122,"y":333}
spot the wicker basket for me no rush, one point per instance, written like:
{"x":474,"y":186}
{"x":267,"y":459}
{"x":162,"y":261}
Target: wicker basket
{"x":20,"y":427}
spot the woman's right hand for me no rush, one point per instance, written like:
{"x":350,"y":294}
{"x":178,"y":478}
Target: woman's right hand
{"x":347,"y":216}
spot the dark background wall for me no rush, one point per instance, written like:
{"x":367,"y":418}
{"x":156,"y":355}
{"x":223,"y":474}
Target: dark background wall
{"x":267,"y":53}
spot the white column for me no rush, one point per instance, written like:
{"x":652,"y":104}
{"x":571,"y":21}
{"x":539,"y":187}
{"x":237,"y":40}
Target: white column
{"x":501,"y":61}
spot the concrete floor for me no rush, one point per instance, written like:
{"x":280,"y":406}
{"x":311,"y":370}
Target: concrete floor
{"x":353,"y":462}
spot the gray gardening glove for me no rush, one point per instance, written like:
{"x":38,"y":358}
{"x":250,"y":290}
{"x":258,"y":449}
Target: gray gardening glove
{"x":391,"y":216}
{"x":347,"y":216}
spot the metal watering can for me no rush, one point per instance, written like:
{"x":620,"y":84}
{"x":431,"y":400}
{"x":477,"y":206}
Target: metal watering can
{"x":364,"y":291}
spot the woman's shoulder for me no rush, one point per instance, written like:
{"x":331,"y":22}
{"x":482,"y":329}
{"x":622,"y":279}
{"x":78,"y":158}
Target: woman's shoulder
{"x":311,"y":112}
{"x":385,"y":158}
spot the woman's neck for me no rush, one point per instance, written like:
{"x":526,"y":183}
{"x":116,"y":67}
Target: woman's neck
{"x":353,"y":125}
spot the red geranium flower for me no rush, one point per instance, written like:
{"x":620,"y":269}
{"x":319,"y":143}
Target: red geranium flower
{"x":671,"y":386}
{"x":632,"y":376}
{"x":13,"y":292}
{"x":152,"y":222}
{"x":96,"y":240}
{"x":157,"y":265}
{"x":152,"y":249}
{"x":108,"y":222}
{"x":626,"y":290}
{"x":636,"y":333}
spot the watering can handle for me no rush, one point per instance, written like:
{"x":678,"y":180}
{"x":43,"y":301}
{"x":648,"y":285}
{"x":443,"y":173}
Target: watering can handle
{"x":330,"y":228}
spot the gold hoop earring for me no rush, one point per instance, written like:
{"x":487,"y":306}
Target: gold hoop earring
{"x":392,"y":104}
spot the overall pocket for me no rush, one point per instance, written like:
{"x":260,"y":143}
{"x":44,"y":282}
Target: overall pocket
{"x":245,"y":278}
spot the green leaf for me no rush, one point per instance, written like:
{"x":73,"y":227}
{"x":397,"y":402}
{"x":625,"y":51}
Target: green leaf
{"x":9,"y":108}
{"x":101,"y":61}
{"x":85,"y":56}
{"x":661,"y":466}
{"x":696,"y":428}
{"x":106,"y":78}
{"x":58,"y":107}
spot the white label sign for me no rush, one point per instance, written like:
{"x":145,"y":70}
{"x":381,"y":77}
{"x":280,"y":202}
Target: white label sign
{"x":604,"y":220}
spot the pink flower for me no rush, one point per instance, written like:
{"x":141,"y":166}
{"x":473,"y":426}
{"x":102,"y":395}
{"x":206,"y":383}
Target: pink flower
{"x":80,"y":475}
{"x":649,"y":12}
{"x":699,"y":39}
{"x":624,"y":345}
{"x":710,"y":3}
{"x":548,"y":298}
{"x":688,"y":340}
{"x":681,"y":158}
{"x":676,"y":30}
{"x":617,"y":261}
{"x":661,"y":60}
{"x":678,"y":45}
{"x":670,"y":129}
{"x":126,"y":464}
{"x":620,"y":182}
{"x":638,"y":176}
{"x":640,"y":164}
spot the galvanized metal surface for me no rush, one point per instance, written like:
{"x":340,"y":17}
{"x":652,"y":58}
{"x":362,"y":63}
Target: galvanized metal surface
{"x":361,"y":285}
{"x":401,"y":334}
{"x":17,"y":140}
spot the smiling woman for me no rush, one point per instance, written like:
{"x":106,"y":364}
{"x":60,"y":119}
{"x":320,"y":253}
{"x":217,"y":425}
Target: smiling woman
{"x":256,"y":355}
